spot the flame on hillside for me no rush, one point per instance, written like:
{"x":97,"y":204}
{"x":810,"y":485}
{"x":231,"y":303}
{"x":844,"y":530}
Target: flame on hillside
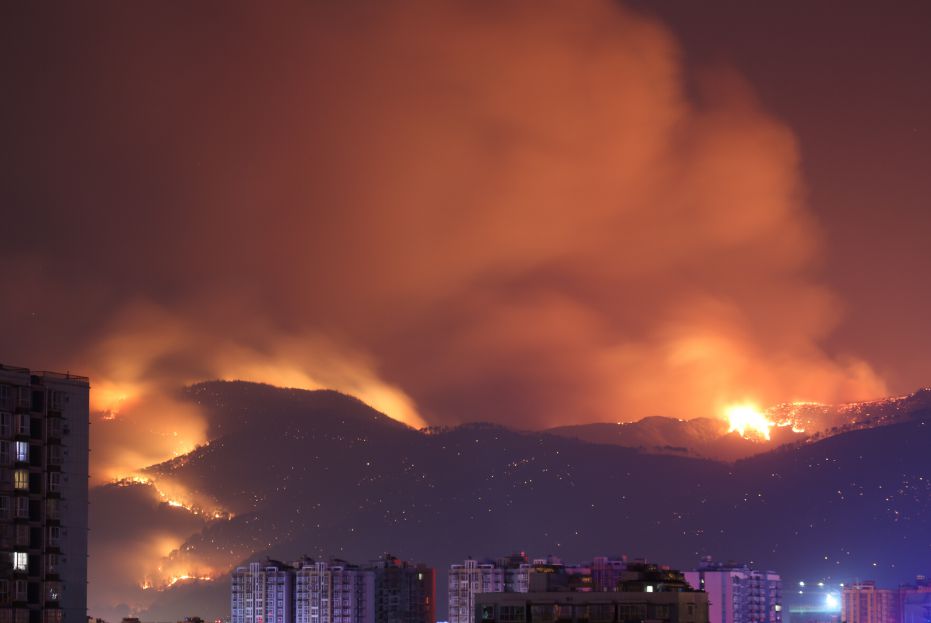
{"x":172,"y":580}
{"x":176,"y":497}
{"x":749,"y":421}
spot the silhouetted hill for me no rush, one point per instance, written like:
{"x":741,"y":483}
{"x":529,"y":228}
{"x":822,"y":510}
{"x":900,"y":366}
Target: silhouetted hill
{"x":709,"y":438}
{"x":700,"y":437}
{"x":231,"y":406}
{"x":319,"y":473}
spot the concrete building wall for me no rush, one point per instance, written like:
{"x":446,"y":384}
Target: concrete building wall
{"x":44,"y":422}
{"x":262,"y":593}
{"x":738,"y":594}
{"x":592,"y":607}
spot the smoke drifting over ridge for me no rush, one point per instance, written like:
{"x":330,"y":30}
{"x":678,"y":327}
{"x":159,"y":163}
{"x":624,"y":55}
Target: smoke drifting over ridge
{"x":457,"y":211}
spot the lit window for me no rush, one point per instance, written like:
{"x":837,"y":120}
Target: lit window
{"x":21,"y":480}
{"x":20,"y":561}
{"x":22,"y":451}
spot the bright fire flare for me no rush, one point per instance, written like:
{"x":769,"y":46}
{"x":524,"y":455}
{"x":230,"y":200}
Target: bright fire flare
{"x":172,"y":580}
{"x":748,"y":421}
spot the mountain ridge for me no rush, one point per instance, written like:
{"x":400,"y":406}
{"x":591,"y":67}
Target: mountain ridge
{"x":356,"y":484}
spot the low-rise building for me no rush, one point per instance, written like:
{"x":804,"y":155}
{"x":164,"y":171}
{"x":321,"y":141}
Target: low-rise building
{"x":646,"y":593}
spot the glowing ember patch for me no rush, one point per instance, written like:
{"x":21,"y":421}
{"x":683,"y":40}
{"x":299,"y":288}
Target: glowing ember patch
{"x":748,"y":421}
{"x":171,"y":581}
{"x":174,"y":496}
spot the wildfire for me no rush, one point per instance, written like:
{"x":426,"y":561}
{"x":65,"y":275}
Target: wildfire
{"x":749,"y":421}
{"x":110,"y":400}
{"x":172,"y":499}
{"x":171,"y":581}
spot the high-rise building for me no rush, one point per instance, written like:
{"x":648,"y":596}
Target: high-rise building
{"x":862,"y":602}
{"x":466,"y":580}
{"x":606,"y":573}
{"x":644,"y":593}
{"x":44,"y":419}
{"x":262,"y":592}
{"x":334,"y":592}
{"x":312,"y":592}
{"x":516,"y":572}
{"x":915,"y":601}
{"x":404,"y":592}
{"x":737,"y":593}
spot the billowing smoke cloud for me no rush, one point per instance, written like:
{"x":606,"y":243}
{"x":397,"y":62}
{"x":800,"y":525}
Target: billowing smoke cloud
{"x":529,"y":213}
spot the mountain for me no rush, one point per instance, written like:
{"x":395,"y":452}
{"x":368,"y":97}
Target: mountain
{"x":700,"y":437}
{"x":290,"y":472}
{"x":710,"y":438}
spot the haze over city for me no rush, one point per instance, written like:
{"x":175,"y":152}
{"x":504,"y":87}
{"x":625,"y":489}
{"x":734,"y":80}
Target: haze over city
{"x":678,"y":247}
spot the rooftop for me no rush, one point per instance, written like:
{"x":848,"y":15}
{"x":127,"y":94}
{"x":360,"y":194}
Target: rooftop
{"x":62,"y":376}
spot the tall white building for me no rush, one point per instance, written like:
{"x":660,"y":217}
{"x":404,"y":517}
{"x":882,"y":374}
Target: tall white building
{"x":466,"y":580}
{"x":334,"y":592}
{"x":737,"y":593}
{"x":44,"y":419}
{"x":263,"y":592}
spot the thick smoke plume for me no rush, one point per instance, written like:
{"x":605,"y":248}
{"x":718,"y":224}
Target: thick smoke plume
{"x":531,"y":213}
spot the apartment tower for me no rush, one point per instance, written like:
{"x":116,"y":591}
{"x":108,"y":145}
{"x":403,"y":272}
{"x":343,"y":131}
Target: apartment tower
{"x":737,"y":593}
{"x":44,"y":418}
{"x":262,"y":592}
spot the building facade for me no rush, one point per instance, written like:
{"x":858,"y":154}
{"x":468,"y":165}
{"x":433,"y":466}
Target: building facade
{"x":915,"y":601}
{"x":644,"y":593}
{"x":334,"y":592}
{"x":863,"y":602}
{"x":606,"y":573}
{"x":737,"y":593}
{"x":467,"y":580}
{"x":262,"y":592}
{"x":44,"y":418}
{"x":404,"y":592}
